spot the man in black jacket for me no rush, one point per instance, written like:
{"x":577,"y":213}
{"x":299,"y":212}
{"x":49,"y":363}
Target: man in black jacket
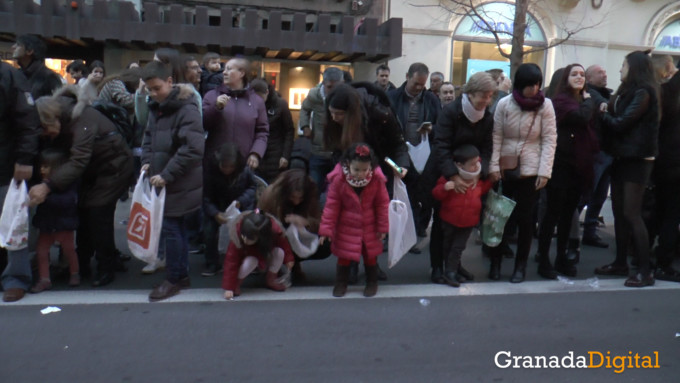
{"x":596,"y":81}
{"x":19,"y":134}
{"x":29,"y":51}
{"x":415,"y":107}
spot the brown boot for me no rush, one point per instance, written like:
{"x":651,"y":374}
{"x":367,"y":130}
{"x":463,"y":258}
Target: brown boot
{"x":371,"y":281}
{"x":341,"y":279}
{"x":271,"y":282}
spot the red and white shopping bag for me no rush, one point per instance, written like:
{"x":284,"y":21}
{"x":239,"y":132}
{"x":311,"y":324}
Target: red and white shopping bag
{"x":146,"y":220}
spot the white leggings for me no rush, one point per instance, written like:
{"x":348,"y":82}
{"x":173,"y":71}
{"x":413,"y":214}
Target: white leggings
{"x":274,"y":262}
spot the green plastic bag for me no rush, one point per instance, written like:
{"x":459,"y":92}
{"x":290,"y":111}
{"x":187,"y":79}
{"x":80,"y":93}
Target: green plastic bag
{"x":496,"y":214}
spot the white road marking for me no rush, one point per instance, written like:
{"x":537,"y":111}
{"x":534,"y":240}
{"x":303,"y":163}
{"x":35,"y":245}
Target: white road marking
{"x":56,"y":298}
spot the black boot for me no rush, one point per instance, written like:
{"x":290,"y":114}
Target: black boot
{"x":353,"y":273}
{"x":574,"y":251}
{"x":495,"y":270}
{"x":464,"y":274}
{"x":520,"y":269}
{"x":371,"y":281}
{"x":437,"y":275}
{"x":545,"y":268}
{"x":563,"y":265}
{"x":341,"y":277}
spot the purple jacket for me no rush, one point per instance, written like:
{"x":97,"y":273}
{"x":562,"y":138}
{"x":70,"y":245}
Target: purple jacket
{"x":242,"y":121}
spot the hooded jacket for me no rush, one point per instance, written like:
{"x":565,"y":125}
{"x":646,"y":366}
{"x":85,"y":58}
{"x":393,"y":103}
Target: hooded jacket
{"x":350,"y":220}
{"x":173,"y":147}
{"x":99,"y":156}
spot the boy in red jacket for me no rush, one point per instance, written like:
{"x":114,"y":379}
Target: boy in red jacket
{"x":460,"y":211}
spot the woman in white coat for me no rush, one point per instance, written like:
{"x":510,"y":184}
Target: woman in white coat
{"x":524,"y":129}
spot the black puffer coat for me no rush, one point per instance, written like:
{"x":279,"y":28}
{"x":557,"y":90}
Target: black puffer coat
{"x":280,"y":141}
{"x":99,"y":157}
{"x":668,"y":162}
{"x":173,"y":147}
{"x":631,"y":129}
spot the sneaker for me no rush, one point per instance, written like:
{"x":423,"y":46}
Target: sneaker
{"x":211,"y":270}
{"x":151,"y":268}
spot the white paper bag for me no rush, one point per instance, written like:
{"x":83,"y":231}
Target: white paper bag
{"x":402,"y":235}
{"x":14,"y":218}
{"x":303,"y":243}
{"x":419,"y":153}
{"x":146,"y":220}
{"x":223,"y":238}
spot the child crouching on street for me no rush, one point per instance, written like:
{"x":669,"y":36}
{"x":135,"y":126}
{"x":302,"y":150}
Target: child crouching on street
{"x":355,"y":216}
{"x":460,"y":211}
{"x":257,"y":241}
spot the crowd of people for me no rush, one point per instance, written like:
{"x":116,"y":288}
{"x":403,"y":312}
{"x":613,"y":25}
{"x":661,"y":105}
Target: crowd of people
{"x":211,"y":136}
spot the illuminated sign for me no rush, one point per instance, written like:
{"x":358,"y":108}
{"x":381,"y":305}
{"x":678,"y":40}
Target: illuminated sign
{"x":669,"y":38}
{"x":500,"y":18}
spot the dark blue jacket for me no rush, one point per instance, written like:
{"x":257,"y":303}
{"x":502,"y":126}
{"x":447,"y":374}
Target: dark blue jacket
{"x":219,"y":191}
{"x":400,"y":104}
{"x":59,"y":212}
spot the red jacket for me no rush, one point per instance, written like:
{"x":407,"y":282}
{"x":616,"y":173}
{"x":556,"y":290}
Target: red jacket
{"x":461,"y":210}
{"x":350,"y":220}
{"x":237,"y":252}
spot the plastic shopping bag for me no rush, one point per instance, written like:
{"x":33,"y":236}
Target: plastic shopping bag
{"x":146,"y":220}
{"x":223,"y":238}
{"x":402,"y":236}
{"x":14,"y":218}
{"x":496,"y":214}
{"x":303,"y":243}
{"x":419,"y":153}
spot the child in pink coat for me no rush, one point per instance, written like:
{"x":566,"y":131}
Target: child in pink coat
{"x":355,"y":216}
{"x":460,"y":211}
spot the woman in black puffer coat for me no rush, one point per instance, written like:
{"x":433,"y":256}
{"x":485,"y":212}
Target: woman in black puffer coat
{"x":631,"y":136}
{"x":281,"y":132}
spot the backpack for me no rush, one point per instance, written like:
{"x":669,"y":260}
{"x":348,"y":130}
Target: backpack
{"x":120,"y":118}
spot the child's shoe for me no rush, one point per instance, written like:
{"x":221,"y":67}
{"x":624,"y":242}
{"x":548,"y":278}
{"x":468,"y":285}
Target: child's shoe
{"x":341,"y":278}
{"x":44,"y":284}
{"x":271,"y":282}
{"x":74,"y":280}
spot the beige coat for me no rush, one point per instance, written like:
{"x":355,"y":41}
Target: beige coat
{"x":510,"y":130}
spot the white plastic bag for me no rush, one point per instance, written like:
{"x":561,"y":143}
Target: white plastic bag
{"x":223,"y":238}
{"x":14,"y":218}
{"x":146,"y":220}
{"x":303,"y":243}
{"x":419,"y":153}
{"x":402,"y":228}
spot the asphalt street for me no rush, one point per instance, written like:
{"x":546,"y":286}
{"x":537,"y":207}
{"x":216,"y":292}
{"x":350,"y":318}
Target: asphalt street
{"x":413,"y":331}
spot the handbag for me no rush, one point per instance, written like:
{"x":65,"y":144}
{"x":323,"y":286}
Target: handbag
{"x":14,"y":218}
{"x":146,"y":220}
{"x":496,"y":214}
{"x":510,"y":165}
{"x":402,"y":235}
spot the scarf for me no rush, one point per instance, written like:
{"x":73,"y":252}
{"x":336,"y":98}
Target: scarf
{"x":531,"y":103}
{"x":467,"y":176}
{"x":353,"y":182}
{"x":470,"y":112}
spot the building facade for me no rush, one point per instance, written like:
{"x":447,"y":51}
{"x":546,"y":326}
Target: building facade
{"x":450,"y":41}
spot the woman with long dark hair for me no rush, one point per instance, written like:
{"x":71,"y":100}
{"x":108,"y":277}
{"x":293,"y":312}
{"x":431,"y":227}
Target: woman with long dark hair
{"x":631,"y":136}
{"x":572,"y":171}
{"x":524,"y":128}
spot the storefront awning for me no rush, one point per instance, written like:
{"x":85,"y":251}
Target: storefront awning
{"x":76,"y":25}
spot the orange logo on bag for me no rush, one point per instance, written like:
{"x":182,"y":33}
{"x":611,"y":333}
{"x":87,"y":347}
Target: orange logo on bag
{"x":138,"y":230}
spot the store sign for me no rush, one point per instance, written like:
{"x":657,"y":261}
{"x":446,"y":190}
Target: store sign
{"x":500,"y":18}
{"x":474,"y":66}
{"x":669,"y":38}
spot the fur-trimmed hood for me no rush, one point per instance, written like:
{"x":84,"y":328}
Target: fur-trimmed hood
{"x":235,"y":227}
{"x":180,"y":95}
{"x":73,"y":100}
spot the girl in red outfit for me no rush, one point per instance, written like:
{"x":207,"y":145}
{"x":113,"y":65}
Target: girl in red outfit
{"x":355,"y":216}
{"x":256,"y":241}
{"x":459,"y":212}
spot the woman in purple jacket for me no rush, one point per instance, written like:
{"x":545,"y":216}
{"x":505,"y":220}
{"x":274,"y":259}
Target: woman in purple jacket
{"x":234,"y":113}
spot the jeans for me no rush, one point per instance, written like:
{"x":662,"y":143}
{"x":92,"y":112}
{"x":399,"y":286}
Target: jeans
{"x":319,"y":167}
{"x":598,"y":196}
{"x":17,"y":273}
{"x":174,"y":237}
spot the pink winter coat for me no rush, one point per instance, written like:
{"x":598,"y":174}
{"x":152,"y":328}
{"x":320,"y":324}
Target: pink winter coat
{"x":350,"y":220}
